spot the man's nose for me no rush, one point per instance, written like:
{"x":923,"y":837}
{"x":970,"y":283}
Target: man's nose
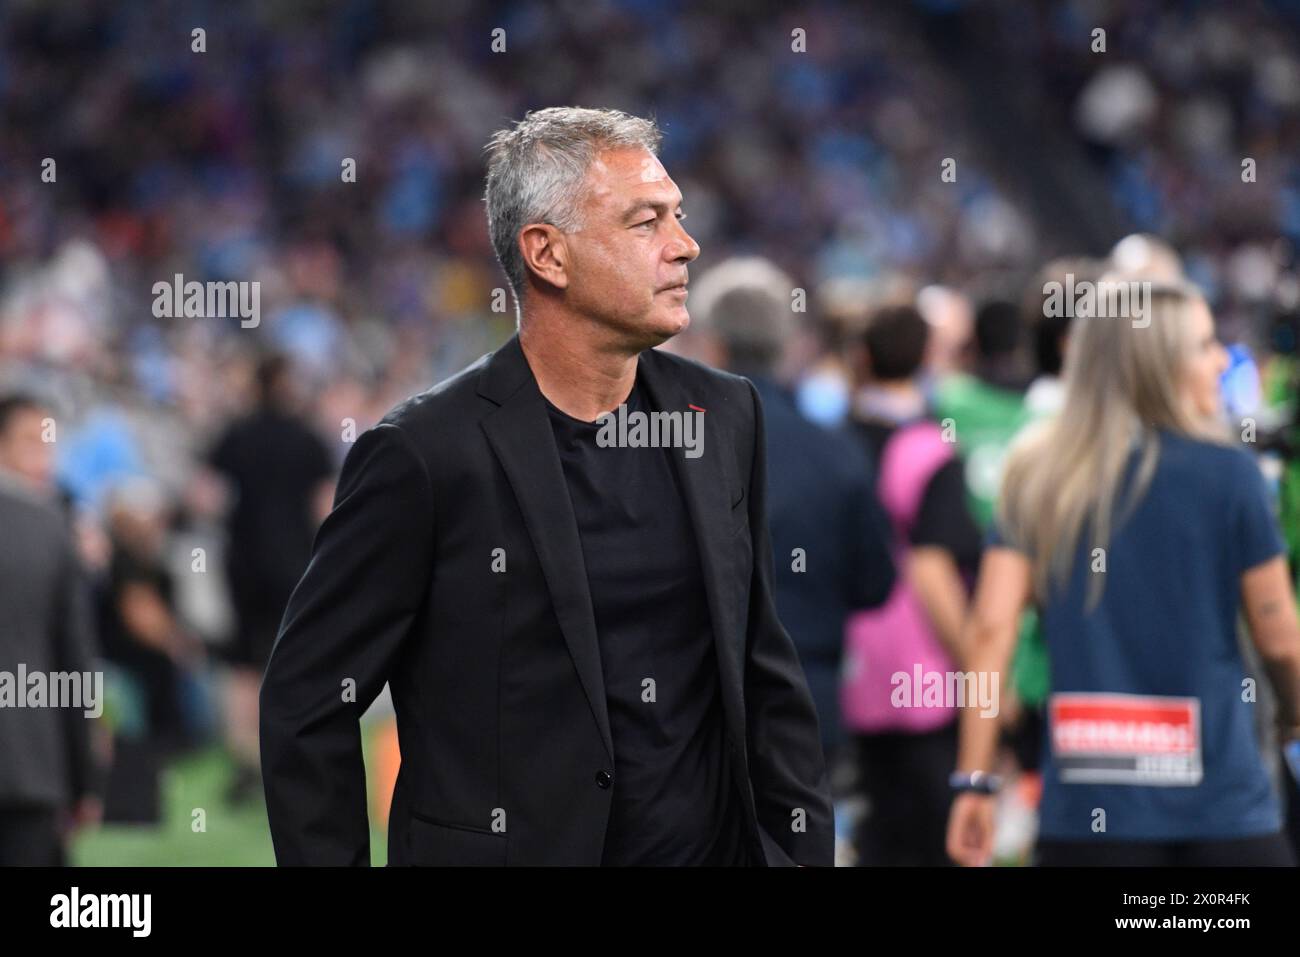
{"x":684,"y":247}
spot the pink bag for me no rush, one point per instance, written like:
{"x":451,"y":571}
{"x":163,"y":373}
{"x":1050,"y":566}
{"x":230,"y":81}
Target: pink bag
{"x":897,"y":637}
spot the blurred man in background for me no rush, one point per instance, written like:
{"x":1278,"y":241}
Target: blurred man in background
{"x":280,"y":475}
{"x":47,"y":764}
{"x":904,"y":753}
{"x":1049,"y":330}
{"x":140,"y":627}
{"x":155,"y":657}
{"x":26,"y":444}
{"x":951,"y":318}
{"x":986,"y":405}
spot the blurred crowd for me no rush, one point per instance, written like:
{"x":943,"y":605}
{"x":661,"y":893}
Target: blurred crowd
{"x":192,"y":457}
{"x":1190,"y":119}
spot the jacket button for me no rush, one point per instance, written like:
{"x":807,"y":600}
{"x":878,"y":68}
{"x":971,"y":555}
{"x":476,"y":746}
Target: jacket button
{"x":604,"y":778}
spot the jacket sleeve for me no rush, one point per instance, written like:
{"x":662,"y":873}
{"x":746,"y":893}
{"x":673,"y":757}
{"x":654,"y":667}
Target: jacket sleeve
{"x":341,"y":634}
{"x":786,"y":765}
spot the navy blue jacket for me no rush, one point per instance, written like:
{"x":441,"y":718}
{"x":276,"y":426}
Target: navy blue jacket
{"x":821,"y":498}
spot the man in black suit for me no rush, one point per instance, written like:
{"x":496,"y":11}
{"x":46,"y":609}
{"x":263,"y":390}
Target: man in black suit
{"x":48,"y":772}
{"x":573,"y":612}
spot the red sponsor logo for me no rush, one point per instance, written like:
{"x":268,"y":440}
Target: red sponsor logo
{"x":1124,"y":724}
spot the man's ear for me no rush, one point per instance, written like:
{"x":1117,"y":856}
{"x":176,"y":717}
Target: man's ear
{"x":546,"y":253}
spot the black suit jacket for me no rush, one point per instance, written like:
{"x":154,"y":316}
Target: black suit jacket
{"x":46,"y":624}
{"x":495,"y":675}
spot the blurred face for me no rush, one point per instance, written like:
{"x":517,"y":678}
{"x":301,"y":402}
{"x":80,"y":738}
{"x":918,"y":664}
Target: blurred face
{"x":22,"y":449}
{"x":627,"y":266}
{"x":1205,"y":365}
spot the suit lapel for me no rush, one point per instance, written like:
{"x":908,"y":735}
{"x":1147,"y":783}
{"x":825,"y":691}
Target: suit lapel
{"x":520,"y":435}
{"x":705,"y":485}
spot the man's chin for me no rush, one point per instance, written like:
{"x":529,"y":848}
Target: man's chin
{"x":656,"y":328}
{"x":666,"y":326}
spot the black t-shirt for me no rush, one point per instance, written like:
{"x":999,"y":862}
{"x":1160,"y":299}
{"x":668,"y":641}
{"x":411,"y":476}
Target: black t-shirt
{"x":675,"y":800}
{"x":944,"y":518}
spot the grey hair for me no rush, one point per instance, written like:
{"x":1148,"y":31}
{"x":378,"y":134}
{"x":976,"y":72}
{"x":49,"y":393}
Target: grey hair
{"x":536,"y":169}
{"x":745,"y":302}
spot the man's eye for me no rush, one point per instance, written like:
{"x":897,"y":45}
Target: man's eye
{"x":648,"y":222}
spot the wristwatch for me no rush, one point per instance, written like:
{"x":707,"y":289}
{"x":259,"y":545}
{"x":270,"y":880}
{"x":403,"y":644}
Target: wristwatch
{"x":981,"y":782}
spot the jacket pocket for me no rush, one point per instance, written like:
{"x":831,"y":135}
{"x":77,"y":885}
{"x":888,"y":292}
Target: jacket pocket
{"x":434,"y":844}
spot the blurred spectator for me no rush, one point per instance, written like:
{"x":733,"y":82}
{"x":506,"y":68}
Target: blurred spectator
{"x":952,"y":321}
{"x":1049,"y":330}
{"x":280,"y":475}
{"x":905,"y":753}
{"x":142,"y":633}
{"x":986,"y":405}
{"x":1146,"y":257}
{"x":1172,"y":497}
{"x":47,"y":761}
{"x":26,"y":451}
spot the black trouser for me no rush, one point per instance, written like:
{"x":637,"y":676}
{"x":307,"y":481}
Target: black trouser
{"x":905,"y":779}
{"x":1266,"y":850}
{"x":29,"y":837}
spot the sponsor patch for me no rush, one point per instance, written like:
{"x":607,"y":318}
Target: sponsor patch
{"x":1126,"y":739}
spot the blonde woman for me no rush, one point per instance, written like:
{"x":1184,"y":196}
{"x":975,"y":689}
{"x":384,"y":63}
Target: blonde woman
{"x":1140,"y":533}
